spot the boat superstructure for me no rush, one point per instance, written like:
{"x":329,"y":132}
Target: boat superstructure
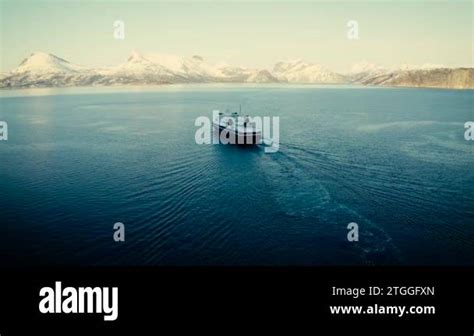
{"x":238,"y":129}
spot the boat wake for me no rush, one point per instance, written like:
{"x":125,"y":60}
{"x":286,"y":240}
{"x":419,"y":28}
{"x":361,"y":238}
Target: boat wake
{"x":302,"y":182}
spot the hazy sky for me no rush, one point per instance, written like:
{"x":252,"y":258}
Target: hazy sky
{"x":250,"y":33}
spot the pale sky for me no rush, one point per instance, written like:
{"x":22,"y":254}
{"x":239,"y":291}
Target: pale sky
{"x":249,"y":33}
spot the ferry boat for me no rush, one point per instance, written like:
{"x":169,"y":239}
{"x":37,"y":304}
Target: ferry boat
{"x":240,"y":129}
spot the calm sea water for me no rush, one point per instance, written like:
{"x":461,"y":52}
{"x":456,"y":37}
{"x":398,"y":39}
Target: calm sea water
{"x":394,"y":161}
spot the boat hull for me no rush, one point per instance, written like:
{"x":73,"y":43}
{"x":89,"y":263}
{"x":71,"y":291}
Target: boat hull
{"x":239,"y":138}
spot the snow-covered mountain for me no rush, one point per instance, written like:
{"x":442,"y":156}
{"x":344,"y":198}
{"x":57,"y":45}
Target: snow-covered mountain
{"x":138,"y":69}
{"x":230,"y":73}
{"x":299,"y":71}
{"x":262,"y":76}
{"x":46,"y":70}
{"x":364,"y":70}
{"x":453,"y":78}
{"x":193,"y":68}
{"x":43,"y":63}
{"x":410,"y":75}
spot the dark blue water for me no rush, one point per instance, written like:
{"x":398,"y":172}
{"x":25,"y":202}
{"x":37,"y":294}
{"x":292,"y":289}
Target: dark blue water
{"x":392,"y":160}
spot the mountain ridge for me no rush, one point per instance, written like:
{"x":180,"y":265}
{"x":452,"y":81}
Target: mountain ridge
{"x":42,"y":69}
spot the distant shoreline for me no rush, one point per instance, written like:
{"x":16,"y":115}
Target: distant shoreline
{"x":90,"y":89}
{"x":47,"y":70}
